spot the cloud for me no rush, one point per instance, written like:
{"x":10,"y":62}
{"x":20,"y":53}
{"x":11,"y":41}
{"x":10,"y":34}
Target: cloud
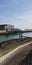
{"x":4,"y":19}
{"x":7,"y":20}
{"x":25,"y":17}
{"x":24,"y":23}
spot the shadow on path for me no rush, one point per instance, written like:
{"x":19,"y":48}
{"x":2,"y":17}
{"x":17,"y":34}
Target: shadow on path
{"x":27,"y":60}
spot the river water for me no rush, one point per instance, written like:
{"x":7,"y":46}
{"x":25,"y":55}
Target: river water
{"x":29,"y":34}
{"x":24,"y":35}
{"x":14,"y":36}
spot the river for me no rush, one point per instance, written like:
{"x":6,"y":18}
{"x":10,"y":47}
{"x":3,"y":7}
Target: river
{"x":29,"y":34}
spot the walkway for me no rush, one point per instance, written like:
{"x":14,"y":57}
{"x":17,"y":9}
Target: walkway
{"x":12,"y":53}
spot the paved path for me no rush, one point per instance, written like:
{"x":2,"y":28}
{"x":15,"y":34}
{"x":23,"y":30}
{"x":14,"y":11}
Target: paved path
{"x":27,"y":60}
{"x":13,"y":52}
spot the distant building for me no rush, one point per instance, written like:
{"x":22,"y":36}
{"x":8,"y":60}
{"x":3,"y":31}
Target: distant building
{"x":6,"y":27}
{"x":2,"y":26}
{"x":9,"y":27}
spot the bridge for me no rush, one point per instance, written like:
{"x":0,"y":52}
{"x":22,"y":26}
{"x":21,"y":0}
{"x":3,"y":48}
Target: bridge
{"x":17,"y":55}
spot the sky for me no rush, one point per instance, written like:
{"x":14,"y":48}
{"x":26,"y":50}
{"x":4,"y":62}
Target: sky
{"x":17,"y":13}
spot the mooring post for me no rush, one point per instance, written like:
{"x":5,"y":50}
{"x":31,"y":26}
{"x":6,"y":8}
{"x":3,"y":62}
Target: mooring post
{"x":20,"y":35}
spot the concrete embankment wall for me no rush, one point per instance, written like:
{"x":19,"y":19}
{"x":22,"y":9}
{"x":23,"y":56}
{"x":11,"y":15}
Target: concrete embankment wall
{"x":15,"y":56}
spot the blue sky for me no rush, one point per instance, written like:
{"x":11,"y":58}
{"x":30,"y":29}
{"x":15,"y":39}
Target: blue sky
{"x":17,"y":13}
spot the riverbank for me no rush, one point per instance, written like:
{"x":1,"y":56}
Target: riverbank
{"x":15,"y":56}
{"x":12,"y":44}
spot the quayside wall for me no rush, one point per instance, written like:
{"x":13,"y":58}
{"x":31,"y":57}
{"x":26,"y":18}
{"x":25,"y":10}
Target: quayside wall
{"x":17,"y":55}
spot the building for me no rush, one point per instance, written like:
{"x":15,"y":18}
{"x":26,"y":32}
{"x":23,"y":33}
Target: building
{"x":6,"y":27}
{"x":2,"y":26}
{"x":9,"y":27}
